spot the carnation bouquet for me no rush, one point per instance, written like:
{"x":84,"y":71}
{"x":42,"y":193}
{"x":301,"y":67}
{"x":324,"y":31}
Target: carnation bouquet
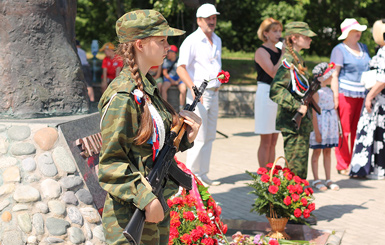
{"x":281,"y":194}
{"x":195,"y":216}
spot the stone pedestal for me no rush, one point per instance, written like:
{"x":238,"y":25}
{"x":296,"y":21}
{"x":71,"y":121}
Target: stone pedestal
{"x":48,"y":192}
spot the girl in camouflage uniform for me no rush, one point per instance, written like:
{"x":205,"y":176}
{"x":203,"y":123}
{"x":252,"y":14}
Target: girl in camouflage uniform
{"x":134,"y":122}
{"x":296,"y":143}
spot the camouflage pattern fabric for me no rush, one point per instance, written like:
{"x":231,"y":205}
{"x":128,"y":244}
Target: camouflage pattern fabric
{"x":296,"y":143}
{"x":298,"y":27}
{"x":140,"y":24}
{"x":296,"y":148}
{"x":124,"y":165}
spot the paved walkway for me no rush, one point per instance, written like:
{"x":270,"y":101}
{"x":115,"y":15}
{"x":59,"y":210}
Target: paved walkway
{"x":358,"y":208}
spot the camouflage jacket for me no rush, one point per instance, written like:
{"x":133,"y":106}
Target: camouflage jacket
{"x":124,"y":165}
{"x":288,"y":103}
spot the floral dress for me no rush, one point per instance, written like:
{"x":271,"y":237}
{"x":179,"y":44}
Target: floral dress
{"x":327,"y":121}
{"x":369,"y":149}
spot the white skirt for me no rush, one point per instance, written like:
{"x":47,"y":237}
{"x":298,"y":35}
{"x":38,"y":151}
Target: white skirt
{"x":265,"y":110}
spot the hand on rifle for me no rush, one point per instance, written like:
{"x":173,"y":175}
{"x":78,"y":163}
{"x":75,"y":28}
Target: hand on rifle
{"x":154,"y":211}
{"x":302,"y":110}
{"x":193,"y":121}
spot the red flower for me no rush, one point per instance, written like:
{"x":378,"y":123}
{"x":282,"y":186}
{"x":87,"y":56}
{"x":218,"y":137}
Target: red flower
{"x":265,"y":178}
{"x":287,"y":201}
{"x":269,"y":165}
{"x":273,"y":189}
{"x":311,"y":207}
{"x":277,"y":181}
{"x":306,"y":213}
{"x":309,"y":191}
{"x":297,"y":213}
{"x":304,"y":201}
{"x":197,"y":233}
{"x":262,"y":171}
{"x":298,"y":188}
{"x":223,"y":76}
{"x":189,"y":215}
{"x":291,"y":189}
{"x":289,"y":176}
{"x":278,"y":167}
{"x":295,"y":197}
{"x":174,"y":232}
{"x":208,"y":229}
{"x":224,"y":228}
{"x":203,"y":217}
{"x":273,"y":242}
{"x":297,"y":179}
{"x":207,"y":241}
{"x":186,"y":238}
{"x":170,"y":203}
{"x":305,"y":182}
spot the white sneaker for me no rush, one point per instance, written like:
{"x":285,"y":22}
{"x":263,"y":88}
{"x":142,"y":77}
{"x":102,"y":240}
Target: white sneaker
{"x":207,"y":182}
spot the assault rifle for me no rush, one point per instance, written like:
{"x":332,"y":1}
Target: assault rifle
{"x":308,"y":101}
{"x":164,"y":168}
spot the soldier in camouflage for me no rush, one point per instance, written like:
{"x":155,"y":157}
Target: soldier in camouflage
{"x":134,"y":121}
{"x":296,"y":143}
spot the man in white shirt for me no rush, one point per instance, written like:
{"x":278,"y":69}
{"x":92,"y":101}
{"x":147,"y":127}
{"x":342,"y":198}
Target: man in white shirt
{"x":199,"y":59}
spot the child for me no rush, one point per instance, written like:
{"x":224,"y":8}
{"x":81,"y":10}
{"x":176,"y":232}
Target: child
{"x":134,"y":123}
{"x":325,"y":134}
{"x":283,"y":92}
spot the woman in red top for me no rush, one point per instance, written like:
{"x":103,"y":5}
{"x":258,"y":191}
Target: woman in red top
{"x":112,"y":65}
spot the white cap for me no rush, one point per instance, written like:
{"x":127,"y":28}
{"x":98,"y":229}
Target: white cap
{"x":206,"y":10}
{"x":350,"y":24}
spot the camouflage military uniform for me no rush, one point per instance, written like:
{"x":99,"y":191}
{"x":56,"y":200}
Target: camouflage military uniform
{"x":296,"y":143}
{"x":124,"y":165}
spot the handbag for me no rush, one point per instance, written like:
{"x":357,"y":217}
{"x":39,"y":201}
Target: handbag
{"x":368,"y":79}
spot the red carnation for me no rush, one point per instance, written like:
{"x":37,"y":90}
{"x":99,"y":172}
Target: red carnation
{"x":304,"y":201}
{"x":297,"y":179}
{"x":265,"y":178}
{"x":273,"y":189}
{"x":174,"y":233}
{"x":186,"y":238}
{"x":277,"y":181}
{"x":298,"y":188}
{"x":306,"y":213}
{"x":295,"y":197}
{"x":269,"y":165}
{"x":203,"y":217}
{"x":262,"y":171}
{"x":305,"y":182}
{"x":223,"y":76}
{"x":309,"y":191}
{"x":197,"y":233}
{"x":311,"y":207}
{"x":224,"y":228}
{"x":297,"y":213}
{"x":273,"y":242}
{"x":291,"y":189}
{"x":189,"y":216}
{"x":289,"y":176}
{"x":207,"y":241}
{"x":278,"y":167}
{"x":287,"y":201}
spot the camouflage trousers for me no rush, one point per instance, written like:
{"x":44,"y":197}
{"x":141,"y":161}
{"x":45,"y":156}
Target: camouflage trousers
{"x":117,"y":214}
{"x":296,"y":148}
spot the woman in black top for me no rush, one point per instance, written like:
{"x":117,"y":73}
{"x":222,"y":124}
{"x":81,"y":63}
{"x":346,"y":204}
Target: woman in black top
{"x":267,"y":60}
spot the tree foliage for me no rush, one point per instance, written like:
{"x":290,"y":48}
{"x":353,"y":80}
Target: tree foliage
{"x":239,"y":19}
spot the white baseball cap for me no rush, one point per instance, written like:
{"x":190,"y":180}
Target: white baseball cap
{"x":350,"y":24}
{"x":206,"y":10}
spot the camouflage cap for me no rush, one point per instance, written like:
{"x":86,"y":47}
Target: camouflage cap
{"x":298,"y":27}
{"x":140,"y":24}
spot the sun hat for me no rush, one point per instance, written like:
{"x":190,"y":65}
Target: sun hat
{"x":140,"y":24}
{"x":298,"y":27}
{"x":379,"y":31}
{"x":107,"y":46}
{"x":206,"y":10}
{"x":350,"y":24}
{"x":173,"y":48}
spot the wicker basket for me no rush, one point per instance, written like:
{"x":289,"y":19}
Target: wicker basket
{"x":277,"y":224}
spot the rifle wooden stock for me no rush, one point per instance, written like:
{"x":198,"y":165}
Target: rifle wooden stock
{"x":162,"y":170}
{"x":297,"y":119}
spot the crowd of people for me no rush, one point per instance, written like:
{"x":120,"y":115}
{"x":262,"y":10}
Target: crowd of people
{"x":136,"y":117}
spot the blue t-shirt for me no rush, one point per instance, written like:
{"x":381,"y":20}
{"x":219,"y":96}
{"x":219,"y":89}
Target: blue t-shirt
{"x":167,"y":64}
{"x":352,"y":66}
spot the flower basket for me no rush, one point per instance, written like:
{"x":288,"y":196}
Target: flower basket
{"x":281,"y":195}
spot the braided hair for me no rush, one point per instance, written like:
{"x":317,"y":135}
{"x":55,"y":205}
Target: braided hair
{"x":146,"y":128}
{"x":289,"y":45}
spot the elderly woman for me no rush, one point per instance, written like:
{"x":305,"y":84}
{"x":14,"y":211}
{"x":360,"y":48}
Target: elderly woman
{"x":351,"y":59}
{"x":369,"y":152}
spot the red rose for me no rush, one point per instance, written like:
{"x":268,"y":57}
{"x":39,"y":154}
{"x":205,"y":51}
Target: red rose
{"x":278,"y":167}
{"x":277,"y":181}
{"x":297,"y":213}
{"x":287,"y":201}
{"x":273,"y":189}
{"x":306,"y":213}
{"x":189,"y":216}
{"x":311,"y":207}
{"x":304,"y":201}
{"x":186,"y":238}
{"x":273,"y":242}
{"x":223,"y":76}
{"x":262,"y":171}
{"x":265,"y":178}
{"x":295,"y":197}
{"x":269,"y":165}
{"x":297,"y":179}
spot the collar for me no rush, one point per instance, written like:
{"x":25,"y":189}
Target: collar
{"x":149,"y":84}
{"x":202,"y":36}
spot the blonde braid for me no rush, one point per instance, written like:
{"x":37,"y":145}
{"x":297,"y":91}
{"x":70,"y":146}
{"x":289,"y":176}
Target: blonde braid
{"x":289,"y":44}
